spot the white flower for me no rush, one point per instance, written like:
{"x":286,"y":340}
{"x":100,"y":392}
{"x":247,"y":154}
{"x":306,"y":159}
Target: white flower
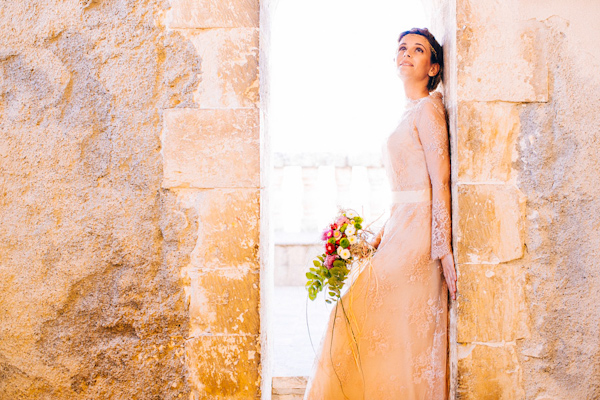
{"x":351,"y":214}
{"x":352,"y":239}
{"x":350,"y":230}
{"x":345,"y":254}
{"x":339,"y":250}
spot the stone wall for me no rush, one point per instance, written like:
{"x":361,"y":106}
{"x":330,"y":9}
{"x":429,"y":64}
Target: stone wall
{"x":92,"y":305}
{"x":522,"y":98}
{"x":212,"y":162}
{"x":133,"y":237}
{"x":130,"y":200}
{"x":557,"y":168}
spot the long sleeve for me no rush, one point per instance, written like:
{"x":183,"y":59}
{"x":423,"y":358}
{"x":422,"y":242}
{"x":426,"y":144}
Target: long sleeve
{"x":433,"y":133}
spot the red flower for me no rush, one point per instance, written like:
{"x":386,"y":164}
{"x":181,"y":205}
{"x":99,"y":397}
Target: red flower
{"x":329,"y":248}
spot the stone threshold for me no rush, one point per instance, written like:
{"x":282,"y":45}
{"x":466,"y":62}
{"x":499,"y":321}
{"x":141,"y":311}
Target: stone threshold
{"x":289,"y":387}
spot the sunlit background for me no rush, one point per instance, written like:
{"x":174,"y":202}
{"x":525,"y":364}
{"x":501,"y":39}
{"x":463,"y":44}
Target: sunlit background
{"x":334,"y":86}
{"x":335,"y":97}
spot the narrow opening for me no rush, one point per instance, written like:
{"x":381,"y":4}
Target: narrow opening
{"x":334,"y":97}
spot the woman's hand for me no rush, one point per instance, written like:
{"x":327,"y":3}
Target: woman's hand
{"x":449,"y":273}
{"x":375,"y":242}
{"x":377,"y":239}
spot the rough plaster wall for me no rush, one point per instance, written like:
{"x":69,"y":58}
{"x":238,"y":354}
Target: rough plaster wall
{"x":558,"y":171}
{"x":91,"y":303}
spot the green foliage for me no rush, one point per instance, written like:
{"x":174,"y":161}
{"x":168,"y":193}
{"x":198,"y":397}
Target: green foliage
{"x":320,"y":277}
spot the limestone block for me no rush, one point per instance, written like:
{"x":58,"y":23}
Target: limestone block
{"x":489,"y":373}
{"x":229,"y":67}
{"x":211,"y":148}
{"x":491,"y":303}
{"x":490,"y":223}
{"x":213,"y":13}
{"x":486,"y":141}
{"x":289,"y":387}
{"x":228,"y":229}
{"x":222,"y":277}
{"x":499,"y":56}
{"x":224,"y":366}
{"x":225,"y":301}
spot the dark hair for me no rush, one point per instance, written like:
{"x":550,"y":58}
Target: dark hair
{"x":437,"y":55}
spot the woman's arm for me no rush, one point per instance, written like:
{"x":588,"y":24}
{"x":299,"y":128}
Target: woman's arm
{"x":433,"y":133}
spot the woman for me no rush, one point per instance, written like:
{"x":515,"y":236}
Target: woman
{"x":387,"y":338}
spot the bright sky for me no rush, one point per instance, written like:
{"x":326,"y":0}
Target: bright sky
{"x":334,"y":86}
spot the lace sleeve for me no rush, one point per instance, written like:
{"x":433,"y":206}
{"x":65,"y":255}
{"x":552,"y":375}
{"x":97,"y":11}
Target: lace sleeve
{"x":433,"y":133}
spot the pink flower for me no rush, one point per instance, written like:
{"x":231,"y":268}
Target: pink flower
{"x":327,"y":234}
{"x":342,"y":220}
{"x":329,"y":261}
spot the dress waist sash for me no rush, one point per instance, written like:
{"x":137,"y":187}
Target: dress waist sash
{"x":411,"y":196}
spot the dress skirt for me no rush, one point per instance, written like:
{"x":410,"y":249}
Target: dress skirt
{"x":387,"y":336}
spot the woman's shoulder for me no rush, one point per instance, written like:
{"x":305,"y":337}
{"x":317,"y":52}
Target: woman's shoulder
{"x":433,"y":102}
{"x":436,"y":95}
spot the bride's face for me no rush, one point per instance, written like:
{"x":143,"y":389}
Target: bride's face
{"x":413,"y":59}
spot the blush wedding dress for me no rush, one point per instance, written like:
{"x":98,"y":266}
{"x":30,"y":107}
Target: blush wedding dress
{"x":388,"y":338}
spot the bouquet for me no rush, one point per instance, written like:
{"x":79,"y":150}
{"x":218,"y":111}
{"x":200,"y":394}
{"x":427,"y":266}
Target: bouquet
{"x":345,"y":244}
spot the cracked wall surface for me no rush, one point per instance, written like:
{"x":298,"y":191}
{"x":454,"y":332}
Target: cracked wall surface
{"x":558,"y":149}
{"x":92,"y":305}
{"x":130,"y":160}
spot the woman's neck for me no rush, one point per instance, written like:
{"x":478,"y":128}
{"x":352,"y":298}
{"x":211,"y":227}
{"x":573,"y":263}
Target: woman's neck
{"x":414,"y":92}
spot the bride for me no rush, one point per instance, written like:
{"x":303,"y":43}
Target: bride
{"x":388,"y":338}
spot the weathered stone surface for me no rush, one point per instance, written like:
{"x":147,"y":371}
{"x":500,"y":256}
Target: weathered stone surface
{"x":503,"y":60}
{"x":223,"y":272}
{"x":289,"y":385}
{"x":489,"y":373}
{"x":213,"y":13}
{"x":499,"y":58}
{"x":225,"y":366}
{"x":490,"y":223}
{"x":491,"y":303}
{"x":91,"y":302}
{"x":211,"y":148}
{"x":558,"y":172}
{"x":229,"y":68}
{"x":229,"y":222}
{"x":225,"y":301}
{"x":486,"y":141}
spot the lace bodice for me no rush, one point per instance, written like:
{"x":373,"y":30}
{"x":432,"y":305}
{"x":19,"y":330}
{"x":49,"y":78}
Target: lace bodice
{"x":416,"y":156}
